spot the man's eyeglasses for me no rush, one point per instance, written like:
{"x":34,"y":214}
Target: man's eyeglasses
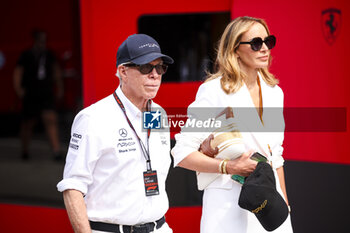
{"x":147,"y":68}
{"x":256,"y":43}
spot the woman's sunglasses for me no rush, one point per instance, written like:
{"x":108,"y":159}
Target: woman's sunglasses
{"x":147,"y":68}
{"x":256,"y":43}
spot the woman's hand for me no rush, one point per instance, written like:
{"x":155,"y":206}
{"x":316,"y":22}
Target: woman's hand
{"x":206,"y":149}
{"x":242,"y":165}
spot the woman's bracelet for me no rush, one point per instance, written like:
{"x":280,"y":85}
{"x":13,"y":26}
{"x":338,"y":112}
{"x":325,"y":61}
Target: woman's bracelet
{"x":220,"y":166}
{"x":223,"y":166}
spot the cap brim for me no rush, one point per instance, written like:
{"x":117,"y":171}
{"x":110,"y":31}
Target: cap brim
{"x":147,"y":58}
{"x":275,"y":213}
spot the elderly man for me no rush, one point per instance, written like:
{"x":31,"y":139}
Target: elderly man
{"x":115,"y":172}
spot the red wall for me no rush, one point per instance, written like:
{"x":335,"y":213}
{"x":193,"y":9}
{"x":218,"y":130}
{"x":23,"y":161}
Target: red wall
{"x":311,"y":72}
{"x":18,"y":18}
{"x":16,"y":218}
{"x":106,"y":25}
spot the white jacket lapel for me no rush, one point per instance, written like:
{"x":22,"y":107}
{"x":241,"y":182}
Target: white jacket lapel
{"x":244,"y":109}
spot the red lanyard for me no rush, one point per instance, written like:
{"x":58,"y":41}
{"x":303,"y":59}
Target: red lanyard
{"x":145,"y":152}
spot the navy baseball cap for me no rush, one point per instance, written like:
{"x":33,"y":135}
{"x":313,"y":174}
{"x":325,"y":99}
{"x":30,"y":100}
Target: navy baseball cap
{"x":259,"y":195}
{"x":140,"y":49}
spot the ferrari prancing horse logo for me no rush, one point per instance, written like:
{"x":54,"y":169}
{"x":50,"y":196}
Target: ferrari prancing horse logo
{"x":331,"y":22}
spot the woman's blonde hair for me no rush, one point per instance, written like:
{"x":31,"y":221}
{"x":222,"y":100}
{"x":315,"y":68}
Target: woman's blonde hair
{"x":226,"y":64}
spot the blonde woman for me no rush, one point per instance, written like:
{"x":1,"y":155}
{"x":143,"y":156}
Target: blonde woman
{"x":241,"y":81}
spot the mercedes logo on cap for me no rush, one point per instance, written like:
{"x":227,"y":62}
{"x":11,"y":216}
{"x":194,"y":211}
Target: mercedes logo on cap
{"x":123,"y":132}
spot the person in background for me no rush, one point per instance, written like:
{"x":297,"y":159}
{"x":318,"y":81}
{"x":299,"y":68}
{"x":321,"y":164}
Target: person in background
{"x":38,"y":83}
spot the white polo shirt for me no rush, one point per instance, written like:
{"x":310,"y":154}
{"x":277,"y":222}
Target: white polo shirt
{"x":105,"y":162}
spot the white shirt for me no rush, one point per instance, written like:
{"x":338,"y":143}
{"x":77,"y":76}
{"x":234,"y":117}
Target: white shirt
{"x":105,"y":162}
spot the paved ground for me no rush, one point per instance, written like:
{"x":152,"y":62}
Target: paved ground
{"x":33,"y":181}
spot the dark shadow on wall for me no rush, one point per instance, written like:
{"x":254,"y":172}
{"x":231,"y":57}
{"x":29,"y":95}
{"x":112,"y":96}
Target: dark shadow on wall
{"x":188,"y":38}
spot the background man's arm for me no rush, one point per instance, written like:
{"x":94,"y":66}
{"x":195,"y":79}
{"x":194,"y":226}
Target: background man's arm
{"x":17,"y":81}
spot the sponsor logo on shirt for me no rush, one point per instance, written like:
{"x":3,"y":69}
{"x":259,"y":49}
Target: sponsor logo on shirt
{"x":125,"y":144}
{"x":123,"y":133}
{"x":75,"y":139}
{"x":75,"y":135}
{"x":164,"y":142}
{"x":73,"y":146}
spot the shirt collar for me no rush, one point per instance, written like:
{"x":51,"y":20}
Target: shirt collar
{"x":131,"y":110}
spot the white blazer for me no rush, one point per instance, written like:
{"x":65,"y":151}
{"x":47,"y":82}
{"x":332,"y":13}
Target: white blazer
{"x":256,"y":135}
{"x":220,"y":211}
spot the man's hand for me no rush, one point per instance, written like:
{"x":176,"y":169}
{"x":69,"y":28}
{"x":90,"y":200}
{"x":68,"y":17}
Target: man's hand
{"x":17,"y":81}
{"x":206,"y":149}
{"x":242,"y":165}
